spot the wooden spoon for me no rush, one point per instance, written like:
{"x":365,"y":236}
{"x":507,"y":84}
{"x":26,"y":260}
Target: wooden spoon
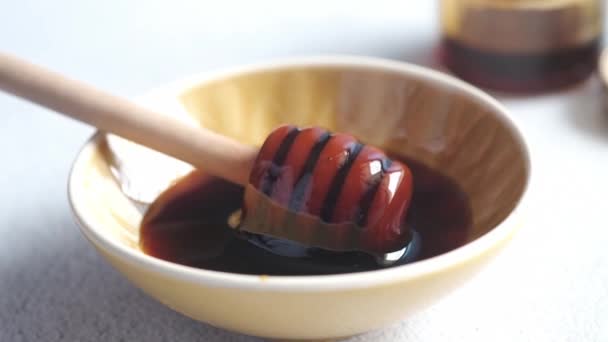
{"x":215,"y":153}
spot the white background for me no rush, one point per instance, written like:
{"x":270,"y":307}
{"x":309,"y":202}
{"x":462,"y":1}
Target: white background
{"x":551,"y":284}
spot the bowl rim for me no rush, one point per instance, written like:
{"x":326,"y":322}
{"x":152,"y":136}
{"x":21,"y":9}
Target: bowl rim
{"x":502,"y":231}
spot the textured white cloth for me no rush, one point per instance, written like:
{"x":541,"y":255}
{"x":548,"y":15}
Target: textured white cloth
{"x":551,"y":284}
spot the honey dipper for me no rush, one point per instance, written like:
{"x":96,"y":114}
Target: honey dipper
{"x":305,"y":185}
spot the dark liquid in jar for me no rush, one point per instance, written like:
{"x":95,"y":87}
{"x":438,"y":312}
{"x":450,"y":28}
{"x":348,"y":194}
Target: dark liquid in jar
{"x":188,"y":225}
{"x":520,"y":72}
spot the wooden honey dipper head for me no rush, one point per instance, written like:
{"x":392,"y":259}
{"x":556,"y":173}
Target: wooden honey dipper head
{"x":328,"y":190}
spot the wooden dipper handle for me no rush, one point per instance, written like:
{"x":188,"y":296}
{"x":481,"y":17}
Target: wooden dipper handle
{"x":215,"y":153}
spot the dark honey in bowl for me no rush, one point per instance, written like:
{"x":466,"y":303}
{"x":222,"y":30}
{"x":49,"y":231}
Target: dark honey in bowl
{"x":188,"y":225}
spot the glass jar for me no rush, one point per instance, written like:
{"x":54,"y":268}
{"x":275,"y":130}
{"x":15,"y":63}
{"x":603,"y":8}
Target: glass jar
{"x":521,"y":45}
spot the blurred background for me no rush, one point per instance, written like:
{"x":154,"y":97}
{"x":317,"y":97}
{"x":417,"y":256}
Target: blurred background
{"x":551,"y":284}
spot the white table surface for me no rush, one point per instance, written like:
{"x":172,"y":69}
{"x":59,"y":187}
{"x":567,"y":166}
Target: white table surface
{"x":551,"y":284}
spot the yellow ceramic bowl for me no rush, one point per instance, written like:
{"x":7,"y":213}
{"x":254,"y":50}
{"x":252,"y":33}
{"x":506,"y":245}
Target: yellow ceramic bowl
{"x":410,"y":110}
